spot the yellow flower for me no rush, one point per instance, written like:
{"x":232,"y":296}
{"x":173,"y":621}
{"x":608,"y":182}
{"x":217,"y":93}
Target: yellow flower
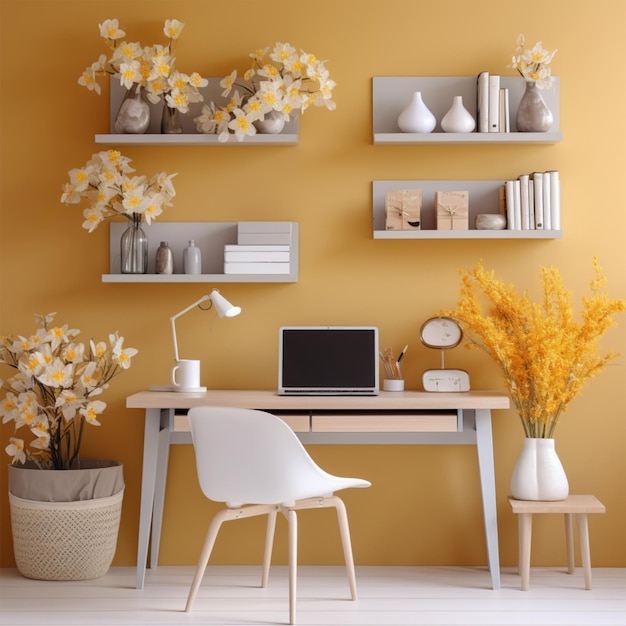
{"x":545,"y":355}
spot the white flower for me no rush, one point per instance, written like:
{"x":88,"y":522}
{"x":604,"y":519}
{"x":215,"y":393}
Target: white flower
{"x":532,"y":64}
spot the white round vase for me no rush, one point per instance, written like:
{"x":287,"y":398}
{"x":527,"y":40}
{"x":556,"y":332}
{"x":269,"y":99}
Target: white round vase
{"x":416,"y":117}
{"x":538,"y":473}
{"x":458,"y":119}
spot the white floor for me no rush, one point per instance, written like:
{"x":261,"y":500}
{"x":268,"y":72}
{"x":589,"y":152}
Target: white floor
{"x":388,"y":596}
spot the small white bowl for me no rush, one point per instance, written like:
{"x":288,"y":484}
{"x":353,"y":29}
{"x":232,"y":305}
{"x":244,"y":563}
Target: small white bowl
{"x":490,"y":221}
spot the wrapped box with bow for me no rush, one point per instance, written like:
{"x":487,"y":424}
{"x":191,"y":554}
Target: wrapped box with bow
{"x":452,"y":210}
{"x":402,"y":209}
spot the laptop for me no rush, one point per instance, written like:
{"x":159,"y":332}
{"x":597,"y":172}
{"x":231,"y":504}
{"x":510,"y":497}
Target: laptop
{"x":328,"y":360}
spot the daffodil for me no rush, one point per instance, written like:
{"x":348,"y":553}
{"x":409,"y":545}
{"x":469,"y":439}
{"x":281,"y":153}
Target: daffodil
{"x":532,"y":64}
{"x":53,"y":393}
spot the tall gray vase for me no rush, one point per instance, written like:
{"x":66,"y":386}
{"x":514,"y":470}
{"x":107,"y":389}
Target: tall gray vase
{"x":533,"y":114}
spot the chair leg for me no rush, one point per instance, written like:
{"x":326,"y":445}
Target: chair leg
{"x":269,"y":543}
{"x":207,"y":548}
{"x":344,"y":531}
{"x":292,"y":519}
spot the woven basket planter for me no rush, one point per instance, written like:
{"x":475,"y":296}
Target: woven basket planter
{"x":68,"y":540}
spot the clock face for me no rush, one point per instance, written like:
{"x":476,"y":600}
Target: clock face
{"x":441,"y":332}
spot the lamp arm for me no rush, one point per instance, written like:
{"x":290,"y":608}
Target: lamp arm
{"x":175,"y":317}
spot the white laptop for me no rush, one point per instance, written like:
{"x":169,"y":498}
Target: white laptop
{"x":328,"y":360}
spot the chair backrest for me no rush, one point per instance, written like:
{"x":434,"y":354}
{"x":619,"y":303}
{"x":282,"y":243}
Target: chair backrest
{"x":246,"y":456}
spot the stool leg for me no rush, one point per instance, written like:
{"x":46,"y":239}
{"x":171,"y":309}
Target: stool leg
{"x":525,"y":535}
{"x":583,"y":533}
{"x":569,"y":540}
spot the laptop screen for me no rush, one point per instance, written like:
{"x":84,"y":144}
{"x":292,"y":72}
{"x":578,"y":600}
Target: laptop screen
{"x":328,"y":360}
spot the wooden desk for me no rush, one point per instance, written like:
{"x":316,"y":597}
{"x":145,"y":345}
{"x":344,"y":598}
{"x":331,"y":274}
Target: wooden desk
{"x":413,"y":417}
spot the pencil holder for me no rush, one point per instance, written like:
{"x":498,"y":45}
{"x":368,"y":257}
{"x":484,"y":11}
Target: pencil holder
{"x":393,"y":384}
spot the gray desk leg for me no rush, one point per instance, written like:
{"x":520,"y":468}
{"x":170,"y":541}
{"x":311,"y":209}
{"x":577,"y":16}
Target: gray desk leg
{"x":484,"y":445}
{"x":159,"y":495}
{"x":148,"y":478}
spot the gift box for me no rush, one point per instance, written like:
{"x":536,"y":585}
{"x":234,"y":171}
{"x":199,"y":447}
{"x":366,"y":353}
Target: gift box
{"x":402,"y":209}
{"x":452,"y":210}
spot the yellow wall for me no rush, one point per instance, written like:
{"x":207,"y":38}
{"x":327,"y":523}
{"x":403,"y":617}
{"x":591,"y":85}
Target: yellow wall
{"x":424,"y":506}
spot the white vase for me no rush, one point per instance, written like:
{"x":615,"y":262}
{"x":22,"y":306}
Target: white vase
{"x":272,"y":124}
{"x":458,"y":119}
{"x":133,"y":116}
{"x":416,"y":117}
{"x":538,"y":473}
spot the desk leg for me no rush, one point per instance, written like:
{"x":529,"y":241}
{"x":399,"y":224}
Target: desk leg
{"x":484,"y":445}
{"x":148,"y":478}
{"x":159,"y":495}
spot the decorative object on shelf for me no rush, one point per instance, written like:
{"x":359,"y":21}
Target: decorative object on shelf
{"x":134,"y":248}
{"x":151,"y":67}
{"x":53,"y":394}
{"x":490,"y":221}
{"x":164,"y":263}
{"x":272,"y":123}
{"x":416,"y":117}
{"x":104,"y":181}
{"x":133,"y":116}
{"x":458,"y":119}
{"x":538,"y":473}
{"x":222,"y":307}
{"x":289,"y":81}
{"x":545,"y":355}
{"x":533,"y":115}
{"x":192,"y":259}
{"x":170,"y":121}
{"x":402,"y":209}
{"x":452,"y":210}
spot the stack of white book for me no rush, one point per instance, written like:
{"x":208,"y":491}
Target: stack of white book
{"x":492,"y":104}
{"x":533,"y":201}
{"x":261,"y":248}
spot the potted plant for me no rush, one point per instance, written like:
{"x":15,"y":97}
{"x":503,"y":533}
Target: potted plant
{"x":271,"y":89}
{"x":545,"y":355}
{"x":65,"y":510}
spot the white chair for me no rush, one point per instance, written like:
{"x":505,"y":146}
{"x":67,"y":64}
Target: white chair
{"x":255,"y":464}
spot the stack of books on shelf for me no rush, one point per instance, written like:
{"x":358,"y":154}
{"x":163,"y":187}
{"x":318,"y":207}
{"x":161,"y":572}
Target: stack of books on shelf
{"x":261,"y":248}
{"x":492,"y":105}
{"x":532,"y":201}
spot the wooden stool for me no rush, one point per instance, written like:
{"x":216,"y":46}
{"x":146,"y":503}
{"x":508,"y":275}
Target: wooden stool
{"x":577,"y":505}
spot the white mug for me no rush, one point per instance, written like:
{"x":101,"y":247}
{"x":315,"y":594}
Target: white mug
{"x":186,"y":375}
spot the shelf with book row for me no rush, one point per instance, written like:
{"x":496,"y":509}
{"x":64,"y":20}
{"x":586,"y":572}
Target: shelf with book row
{"x":392,"y":94}
{"x":485,"y":196}
{"x":232,"y":252}
{"x":190,"y":136}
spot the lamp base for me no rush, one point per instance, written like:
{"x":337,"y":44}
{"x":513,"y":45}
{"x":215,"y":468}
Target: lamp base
{"x":177,"y":388}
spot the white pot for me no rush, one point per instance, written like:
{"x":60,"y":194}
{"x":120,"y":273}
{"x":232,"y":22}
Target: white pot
{"x":416,"y":118}
{"x":538,"y":473}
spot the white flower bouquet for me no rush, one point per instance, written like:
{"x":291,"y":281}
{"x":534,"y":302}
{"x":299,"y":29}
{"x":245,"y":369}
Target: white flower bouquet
{"x":532,"y":64}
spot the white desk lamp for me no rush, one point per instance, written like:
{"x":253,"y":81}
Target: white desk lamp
{"x":223,"y":308}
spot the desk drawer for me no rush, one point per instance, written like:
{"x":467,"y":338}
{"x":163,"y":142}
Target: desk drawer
{"x":299,"y":423}
{"x":385,"y":422}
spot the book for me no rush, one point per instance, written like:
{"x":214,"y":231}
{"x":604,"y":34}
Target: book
{"x":538,"y":196}
{"x":509,"y":193}
{"x":524,"y":202}
{"x":271,"y":256}
{"x":547,"y":217}
{"x":494,"y":103}
{"x":482,"y":102}
{"x":505,"y":120}
{"x":264,"y":238}
{"x":233,"y":247}
{"x":555,"y":199}
{"x":531,"y":202}
{"x":256,"y":268}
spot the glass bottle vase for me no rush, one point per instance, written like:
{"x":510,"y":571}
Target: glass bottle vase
{"x":134,"y":248}
{"x":170,"y":121}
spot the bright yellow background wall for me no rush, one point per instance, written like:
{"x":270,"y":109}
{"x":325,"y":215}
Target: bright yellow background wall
{"x":424,"y":506}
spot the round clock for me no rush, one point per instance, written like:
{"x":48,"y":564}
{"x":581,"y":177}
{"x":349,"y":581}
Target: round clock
{"x":441,"y":332}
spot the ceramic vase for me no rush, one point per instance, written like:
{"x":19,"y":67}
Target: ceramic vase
{"x":134,"y":248}
{"x":416,"y":117}
{"x":458,"y":119}
{"x":133,"y":116}
{"x":533,"y":114}
{"x":273,"y":123}
{"x":538,"y":473}
{"x":170,"y":121}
